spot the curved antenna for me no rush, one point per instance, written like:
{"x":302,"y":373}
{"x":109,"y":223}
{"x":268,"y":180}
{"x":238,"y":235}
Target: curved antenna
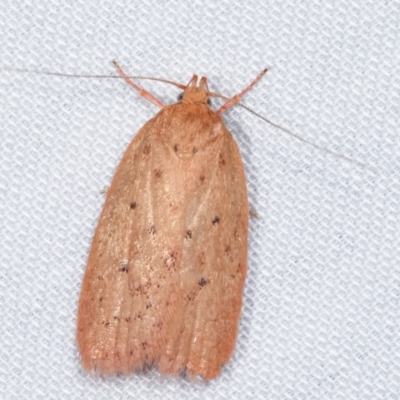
{"x":210,"y":94}
{"x":150,"y":78}
{"x":301,"y":139}
{"x":295,"y":135}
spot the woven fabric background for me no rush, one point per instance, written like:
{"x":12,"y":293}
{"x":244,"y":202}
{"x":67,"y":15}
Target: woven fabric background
{"x":321,"y":305}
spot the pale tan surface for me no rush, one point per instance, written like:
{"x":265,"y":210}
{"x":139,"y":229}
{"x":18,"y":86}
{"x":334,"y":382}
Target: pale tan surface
{"x":167,"y":265}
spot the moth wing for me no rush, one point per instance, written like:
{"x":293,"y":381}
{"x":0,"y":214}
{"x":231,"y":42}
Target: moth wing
{"x":214,"y":262}
{"x":120,"y":313}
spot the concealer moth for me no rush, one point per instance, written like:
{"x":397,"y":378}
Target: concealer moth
{"x":164,"y":279}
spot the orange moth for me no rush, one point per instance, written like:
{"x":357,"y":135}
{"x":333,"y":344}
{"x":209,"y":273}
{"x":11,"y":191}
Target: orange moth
{"x":166,"y":269}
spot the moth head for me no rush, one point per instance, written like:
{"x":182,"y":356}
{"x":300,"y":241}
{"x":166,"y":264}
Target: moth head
{"x":194,"y":93}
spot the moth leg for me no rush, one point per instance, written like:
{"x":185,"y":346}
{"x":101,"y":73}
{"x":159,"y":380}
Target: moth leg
{"x":235,"y":99}
{"x":142,"y":92}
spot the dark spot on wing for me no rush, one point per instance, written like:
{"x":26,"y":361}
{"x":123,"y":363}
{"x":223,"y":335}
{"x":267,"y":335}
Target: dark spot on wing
{"x":188,"y":234}
{"x":133,"y":205}
{"x":202,"y":178}
{"x":191,"y":296}
{"x":138,"y":288}
{"x":239,"y":268}
{"x":158,"y":325}
{"x":124,"y":267}
{"x":215,"y":220}
{"x":203,"y":282}
{"x":146,"y":149}
{"x":152,"y":230}
{"x":201,"y":257}
{"x":175,"y":148}
{"x":170,"y":261}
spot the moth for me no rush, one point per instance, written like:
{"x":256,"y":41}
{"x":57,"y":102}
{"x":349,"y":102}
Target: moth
{"x":164,"y":279}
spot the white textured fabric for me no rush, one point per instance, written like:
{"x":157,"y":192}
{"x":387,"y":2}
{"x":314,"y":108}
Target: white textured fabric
{"x":321,"y":312}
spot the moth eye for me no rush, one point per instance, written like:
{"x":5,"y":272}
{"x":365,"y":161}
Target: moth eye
{"x":180,"y":96}
{"x":209,"y":102}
